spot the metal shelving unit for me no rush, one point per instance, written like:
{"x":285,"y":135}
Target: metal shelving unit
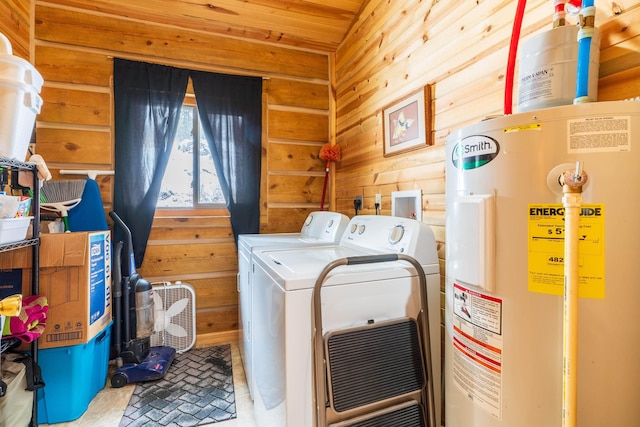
{"x":34,"y":243}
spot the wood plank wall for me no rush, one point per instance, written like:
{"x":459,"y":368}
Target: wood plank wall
{"x":460,"y":48}
{"x":74,"y":51}
{"x":15,"y":24}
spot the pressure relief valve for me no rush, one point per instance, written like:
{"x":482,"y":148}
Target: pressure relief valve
{"x":574,"y":180}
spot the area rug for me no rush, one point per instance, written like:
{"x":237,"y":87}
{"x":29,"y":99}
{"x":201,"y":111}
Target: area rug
{"x":196,"y":390}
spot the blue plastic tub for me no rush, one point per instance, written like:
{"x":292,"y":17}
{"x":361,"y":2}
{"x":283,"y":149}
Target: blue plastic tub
{"x":73,"y":375}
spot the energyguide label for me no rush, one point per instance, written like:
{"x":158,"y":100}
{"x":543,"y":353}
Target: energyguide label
{"x":546,"y":250}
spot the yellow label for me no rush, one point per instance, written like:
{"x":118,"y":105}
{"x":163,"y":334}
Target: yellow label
{"x":530,"y":126}
{"x":546,"y":250}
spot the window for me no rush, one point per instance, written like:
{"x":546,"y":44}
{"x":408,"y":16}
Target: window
{"x":181,"y":187}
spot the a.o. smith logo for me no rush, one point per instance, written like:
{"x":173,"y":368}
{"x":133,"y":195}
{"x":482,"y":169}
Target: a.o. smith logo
{"x":474,"y":151}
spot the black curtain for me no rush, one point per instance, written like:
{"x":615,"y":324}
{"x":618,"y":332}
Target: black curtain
{"x":147,"y":102}
{"x":230,"y":111}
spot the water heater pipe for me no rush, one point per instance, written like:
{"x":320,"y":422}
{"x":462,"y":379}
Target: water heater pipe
{"x":572,"y":182}
{"x":573,"y":6}
{"x":585,"y":34}
{"x":511,"y":61}
{"x":559,"y":13}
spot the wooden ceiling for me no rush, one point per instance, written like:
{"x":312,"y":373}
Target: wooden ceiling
{"x":308,"y":24}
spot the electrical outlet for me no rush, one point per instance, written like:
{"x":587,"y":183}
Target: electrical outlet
{"x":358,"y":203}
{"x":379,"y":199}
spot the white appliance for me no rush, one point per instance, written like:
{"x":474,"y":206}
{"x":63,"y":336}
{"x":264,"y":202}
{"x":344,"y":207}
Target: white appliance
{"x":282,"y":288}
{"x":505,"y":268}
{"x":319,"y":228}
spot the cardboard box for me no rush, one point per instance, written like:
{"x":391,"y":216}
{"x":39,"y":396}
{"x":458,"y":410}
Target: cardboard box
{"x":75,"y":276}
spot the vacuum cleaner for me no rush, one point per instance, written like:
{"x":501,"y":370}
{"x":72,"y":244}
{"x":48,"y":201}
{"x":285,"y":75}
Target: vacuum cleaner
{"x":136,"y":360}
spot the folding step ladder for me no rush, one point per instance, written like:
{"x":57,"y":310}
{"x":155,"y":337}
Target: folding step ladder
{"x":374,"y":375}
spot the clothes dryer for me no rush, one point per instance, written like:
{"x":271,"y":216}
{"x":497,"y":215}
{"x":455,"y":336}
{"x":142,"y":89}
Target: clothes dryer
{"x":282,"y":293}
{"x":319,"y":228}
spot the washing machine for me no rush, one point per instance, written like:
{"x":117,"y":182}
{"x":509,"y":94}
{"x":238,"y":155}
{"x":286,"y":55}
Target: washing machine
{"x":319,"y":228}
{"x":352,"y":296}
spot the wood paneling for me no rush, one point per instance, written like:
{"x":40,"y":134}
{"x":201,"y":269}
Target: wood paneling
{"x":215,"y":291}
{"x":156,"y":42}
{"x":79,"y":146}
{"x":294,"y":157}
{"x":192,"y":257}
{"x":65,"y":65}
{"x":293,"y":173}
{"x":217,"y":319}
{"x":304,"y":23}
{"x":15,"y":24}
{"x":297,"y":94}
{"x":295,"y":189}
{"x":287,"y":219}
{"x":77,"y":107}
{"x":620,"y":56}
{"x":295,"y":125}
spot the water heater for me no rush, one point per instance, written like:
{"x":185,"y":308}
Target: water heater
{"x":505,"y":268}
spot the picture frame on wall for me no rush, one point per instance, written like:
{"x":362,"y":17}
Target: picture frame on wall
{"x":407,"y":123}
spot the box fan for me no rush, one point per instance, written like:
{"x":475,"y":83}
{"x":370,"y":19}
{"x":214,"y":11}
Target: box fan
{"x":175,"y":315}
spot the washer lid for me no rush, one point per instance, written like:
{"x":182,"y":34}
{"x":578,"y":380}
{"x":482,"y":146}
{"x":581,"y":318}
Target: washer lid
{"x":252,"y":241}
{"x":295,"y":269}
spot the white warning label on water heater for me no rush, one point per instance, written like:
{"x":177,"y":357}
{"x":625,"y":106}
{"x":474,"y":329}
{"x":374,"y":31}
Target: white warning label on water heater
{"x":599,"y":134}
{"x":477,"y":347}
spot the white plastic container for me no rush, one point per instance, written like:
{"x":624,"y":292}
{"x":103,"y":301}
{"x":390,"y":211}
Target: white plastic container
{"x":20,"y":102}
{"x":17,"y":69}
{"x":547,"y":69}
{"x":19,"y":105}
{"x":14,"y":229}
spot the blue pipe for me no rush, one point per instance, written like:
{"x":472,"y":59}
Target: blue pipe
{"x":585,"y":35}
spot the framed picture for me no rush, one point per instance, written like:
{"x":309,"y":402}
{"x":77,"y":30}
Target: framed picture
{"x":407,"y":123}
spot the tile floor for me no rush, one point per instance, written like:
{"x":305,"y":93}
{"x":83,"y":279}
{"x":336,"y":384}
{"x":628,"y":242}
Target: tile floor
{"x":107,"y":407}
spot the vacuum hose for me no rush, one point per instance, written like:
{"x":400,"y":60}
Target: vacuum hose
{"x":131,"y":269}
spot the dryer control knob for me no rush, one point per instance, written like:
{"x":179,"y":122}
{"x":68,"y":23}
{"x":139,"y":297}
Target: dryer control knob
{"x":396,"y":234}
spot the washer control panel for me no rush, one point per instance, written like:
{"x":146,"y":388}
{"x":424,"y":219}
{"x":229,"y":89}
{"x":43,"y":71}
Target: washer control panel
{"x":383,"y":233}
{"x":324,"y":226}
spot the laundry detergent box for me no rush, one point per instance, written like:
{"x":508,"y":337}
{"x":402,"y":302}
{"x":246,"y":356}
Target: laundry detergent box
{"x":74,"y":275}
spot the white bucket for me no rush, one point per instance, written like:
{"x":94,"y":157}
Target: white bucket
{"x":19,"y":105}
{"x":547,"y":72}
{"x":20,"y":71}
{"x":20,"y":102}
{"x":17,"y":69}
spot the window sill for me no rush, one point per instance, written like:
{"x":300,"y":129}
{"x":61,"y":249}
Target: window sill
{"x":190,"y":212}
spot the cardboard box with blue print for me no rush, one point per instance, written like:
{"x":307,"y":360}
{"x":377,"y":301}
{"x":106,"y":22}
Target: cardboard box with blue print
{"x":75,"y":276}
